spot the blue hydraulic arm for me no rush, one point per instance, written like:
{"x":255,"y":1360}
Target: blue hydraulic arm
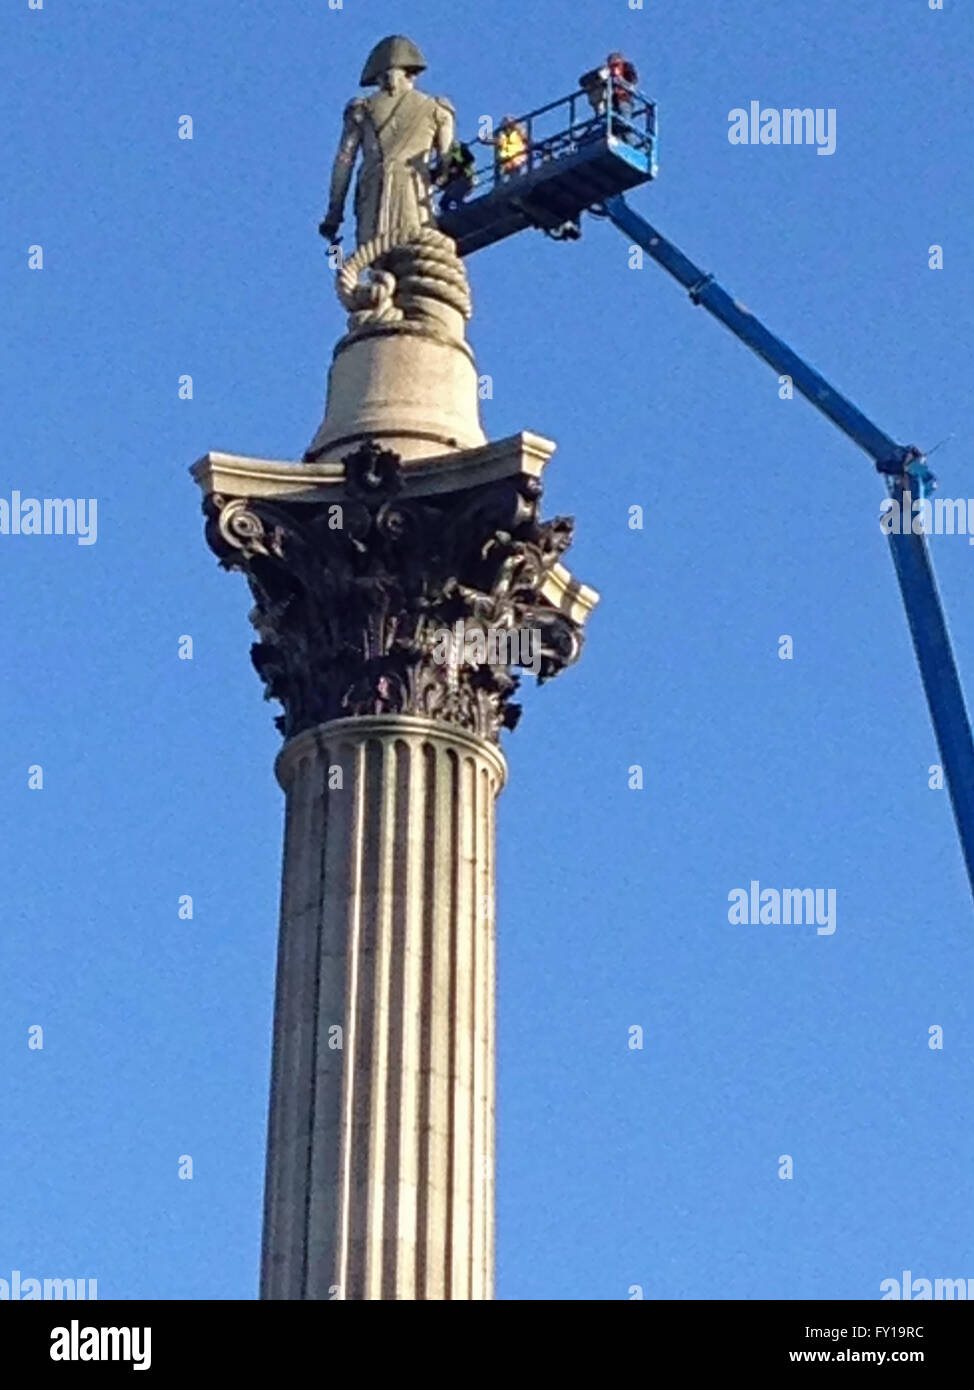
{"x":906,"y":473}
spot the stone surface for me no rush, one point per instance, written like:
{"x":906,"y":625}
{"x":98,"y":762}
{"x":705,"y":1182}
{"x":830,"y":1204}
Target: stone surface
{"x":414,"y":388}
{"x":380,"y":1174}
{"x":237,"y":475}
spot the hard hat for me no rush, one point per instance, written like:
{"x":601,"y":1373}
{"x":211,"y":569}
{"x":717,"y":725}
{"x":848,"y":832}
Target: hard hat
{"x":508,"y":120}
{"x":396,"y":51}
{"x":615,"y":58}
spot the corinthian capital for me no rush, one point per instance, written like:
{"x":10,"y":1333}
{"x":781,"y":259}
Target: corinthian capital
{"x":380,"y":598}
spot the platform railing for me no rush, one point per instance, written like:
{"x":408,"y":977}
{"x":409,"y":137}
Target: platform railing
{"x":562,"y":127}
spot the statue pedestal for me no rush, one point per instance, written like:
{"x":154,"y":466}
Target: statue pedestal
{"x":411,"y":386}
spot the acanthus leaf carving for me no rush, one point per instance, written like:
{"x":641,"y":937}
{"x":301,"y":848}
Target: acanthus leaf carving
{"x":350,"y":619}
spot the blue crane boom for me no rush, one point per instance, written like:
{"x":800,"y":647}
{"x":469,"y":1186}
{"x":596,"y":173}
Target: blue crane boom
{"x":703,"y":289}
{"x":581,"y":154}
{"x":902,"y":464}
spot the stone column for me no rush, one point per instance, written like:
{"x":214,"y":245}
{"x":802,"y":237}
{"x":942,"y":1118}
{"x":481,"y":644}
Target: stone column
{"x":381,"y":1143}
{"x":392,"y":602}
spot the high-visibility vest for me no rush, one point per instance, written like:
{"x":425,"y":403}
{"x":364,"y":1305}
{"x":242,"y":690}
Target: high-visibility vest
{"x":511,"y":146}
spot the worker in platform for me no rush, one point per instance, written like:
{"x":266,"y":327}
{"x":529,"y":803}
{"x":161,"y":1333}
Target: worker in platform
{"x":510,"y":146}
{"x":456,"y":176}
{"x":614,"y":80}
{"x":622,"y":77}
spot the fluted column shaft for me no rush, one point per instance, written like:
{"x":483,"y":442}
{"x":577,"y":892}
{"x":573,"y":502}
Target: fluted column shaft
{"x":380,"y":1174}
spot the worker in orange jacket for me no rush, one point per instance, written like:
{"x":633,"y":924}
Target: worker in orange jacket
{"x":616,"y":77}
{"x":622,"y":77}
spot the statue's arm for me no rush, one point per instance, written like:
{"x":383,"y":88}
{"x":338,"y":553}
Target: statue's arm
{"x":446,"y":124}
{"x":341,"y":172}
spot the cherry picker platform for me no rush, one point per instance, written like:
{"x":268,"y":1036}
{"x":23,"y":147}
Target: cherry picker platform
{"x":579,"y":151}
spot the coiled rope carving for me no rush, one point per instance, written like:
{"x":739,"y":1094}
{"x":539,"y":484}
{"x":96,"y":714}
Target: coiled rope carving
{"x":406,"y":267}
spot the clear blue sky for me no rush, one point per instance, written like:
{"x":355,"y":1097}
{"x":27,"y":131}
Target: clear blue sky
{"x":162,"y":257}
